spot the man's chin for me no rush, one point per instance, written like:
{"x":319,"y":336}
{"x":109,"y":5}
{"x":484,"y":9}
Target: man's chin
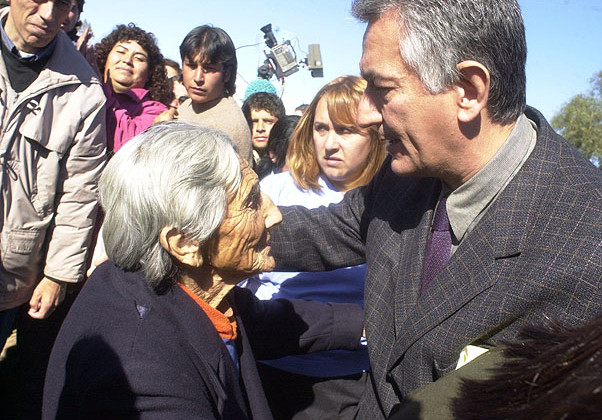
{"x":401,"y":166}
{"x":198,"y":99}
{"x":260,"y":147}
{"x":39,"y":42}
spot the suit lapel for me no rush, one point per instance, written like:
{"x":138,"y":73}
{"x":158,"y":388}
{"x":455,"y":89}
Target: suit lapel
{"x":476,"y":264}
{"x":409,"y":270}
{"x":470,"y":271}
{"x":399,"y":212}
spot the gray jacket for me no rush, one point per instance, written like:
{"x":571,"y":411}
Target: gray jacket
{"x":52,"y":149}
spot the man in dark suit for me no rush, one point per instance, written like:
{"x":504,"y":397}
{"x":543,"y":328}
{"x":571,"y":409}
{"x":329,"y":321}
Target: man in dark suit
{"x":517,"y":235}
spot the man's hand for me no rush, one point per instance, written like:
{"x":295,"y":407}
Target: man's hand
{"x":89,"y":53}
{"x":47,"y":295}
{"x":82,"y":41}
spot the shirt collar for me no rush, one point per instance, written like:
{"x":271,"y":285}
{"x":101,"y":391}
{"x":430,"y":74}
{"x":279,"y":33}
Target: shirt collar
{"x":467,"y":203}
{"x":41,"y":54}
{"x":136,"y":94}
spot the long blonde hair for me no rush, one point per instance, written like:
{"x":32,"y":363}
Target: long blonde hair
{"x":342,"y":97}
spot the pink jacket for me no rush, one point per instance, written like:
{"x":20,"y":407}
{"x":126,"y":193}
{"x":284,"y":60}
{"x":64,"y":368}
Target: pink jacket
{"x":128,"y":114}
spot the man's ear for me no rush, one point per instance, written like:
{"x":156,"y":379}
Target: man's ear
{"x":472,"y":90}
{"x":182,"y":249}
{"x":227,"y":74}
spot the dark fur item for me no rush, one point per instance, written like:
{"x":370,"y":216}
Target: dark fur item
{"x":552,"y":373}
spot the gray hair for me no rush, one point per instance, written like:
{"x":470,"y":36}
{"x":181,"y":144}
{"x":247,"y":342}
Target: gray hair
{"x":172,"y":175}
{"x":436,"y":35}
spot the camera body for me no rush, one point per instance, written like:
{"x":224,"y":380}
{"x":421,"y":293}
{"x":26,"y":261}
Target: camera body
{"x":281,"y":59}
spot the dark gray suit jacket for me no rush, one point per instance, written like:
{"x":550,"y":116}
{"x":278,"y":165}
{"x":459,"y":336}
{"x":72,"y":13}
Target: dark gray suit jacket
{"x":535,"y":254}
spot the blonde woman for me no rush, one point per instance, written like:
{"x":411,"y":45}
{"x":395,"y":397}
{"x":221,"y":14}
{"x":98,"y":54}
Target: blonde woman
{"x":328,"y":155}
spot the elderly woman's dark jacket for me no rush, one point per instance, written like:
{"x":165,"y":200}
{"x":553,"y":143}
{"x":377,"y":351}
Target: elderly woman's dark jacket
{"x":126,"y":351}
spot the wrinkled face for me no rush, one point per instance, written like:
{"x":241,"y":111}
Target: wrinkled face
{"x":204,"y":82}
{"x":262,"y":122}
{"x":72,"y":17}
{"x":127,"y":66}
{"x":33,"y":24}
{"x":240,"y":247}
{"x":342,"y":151}
{"x":417,"y":125}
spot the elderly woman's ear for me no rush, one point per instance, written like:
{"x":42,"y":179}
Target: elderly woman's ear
{"x":182,"y":249}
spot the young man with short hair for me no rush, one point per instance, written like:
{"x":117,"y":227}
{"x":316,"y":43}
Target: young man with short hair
{"x":262,"y":110}
{"x":209,"y":74}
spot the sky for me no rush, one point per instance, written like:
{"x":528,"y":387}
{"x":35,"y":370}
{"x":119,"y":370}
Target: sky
{"x":564,"y":39}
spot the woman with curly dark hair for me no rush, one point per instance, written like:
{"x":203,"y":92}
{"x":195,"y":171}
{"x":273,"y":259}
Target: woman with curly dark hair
{"x":136,"y":85}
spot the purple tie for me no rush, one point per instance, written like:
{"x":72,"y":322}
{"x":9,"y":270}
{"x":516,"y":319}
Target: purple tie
{"x":439,"y":246}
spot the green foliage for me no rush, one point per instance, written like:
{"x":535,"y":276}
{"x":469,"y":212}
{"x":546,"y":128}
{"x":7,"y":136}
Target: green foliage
{"x":580,"y":121}
{"x":596,"y":82}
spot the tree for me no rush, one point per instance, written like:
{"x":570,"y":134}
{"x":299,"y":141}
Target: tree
{"x":580,"y":121}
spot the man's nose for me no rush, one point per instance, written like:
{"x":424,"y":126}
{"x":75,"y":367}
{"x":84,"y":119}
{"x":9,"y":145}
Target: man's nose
{"x":46,"y":11}
{"x":199,"y":75}
{"x":368,"y":113}
{"x":270,"y":212}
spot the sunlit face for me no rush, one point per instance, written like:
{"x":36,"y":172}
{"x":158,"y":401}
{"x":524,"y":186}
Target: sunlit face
{"x":204,"y":82}
{"x":179,"y":90}
{"x":417,"y":125}
{"x":262,"y":122}
{"x":127,"y":66}
{"x":342,"y":151}
{"x":240,"y":248}
{"x":33,"y":24}
{"x":72,"y":17}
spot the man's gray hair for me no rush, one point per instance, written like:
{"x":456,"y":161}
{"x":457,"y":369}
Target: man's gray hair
{"x":173,"y":175}
{"x":436,"y":35}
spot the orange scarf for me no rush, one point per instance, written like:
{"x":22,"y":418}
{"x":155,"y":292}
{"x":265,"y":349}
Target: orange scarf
{"x":225,"y":328}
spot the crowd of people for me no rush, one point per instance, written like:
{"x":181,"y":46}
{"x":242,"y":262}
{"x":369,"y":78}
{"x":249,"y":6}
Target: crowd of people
{"x":416,"y":243}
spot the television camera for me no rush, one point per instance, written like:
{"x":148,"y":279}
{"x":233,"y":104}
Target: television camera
{"x":281,"y":59}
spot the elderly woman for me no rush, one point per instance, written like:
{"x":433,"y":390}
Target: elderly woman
{"x":160,"y":330}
